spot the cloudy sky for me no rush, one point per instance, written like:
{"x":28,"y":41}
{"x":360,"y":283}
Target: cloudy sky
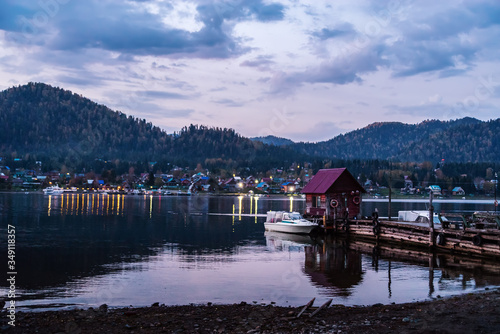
{"x":305,"y":70}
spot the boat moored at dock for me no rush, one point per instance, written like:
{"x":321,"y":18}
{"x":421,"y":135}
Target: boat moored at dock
{"x":288,"y":222}
{"x":419,"y":216}
{"x":53,"y":190}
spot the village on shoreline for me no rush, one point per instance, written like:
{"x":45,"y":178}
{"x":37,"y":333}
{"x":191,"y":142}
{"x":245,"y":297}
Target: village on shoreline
{"x":184,"y":181}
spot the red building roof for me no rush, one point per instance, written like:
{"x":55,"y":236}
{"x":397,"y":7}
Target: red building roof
{"x":335,"y":180}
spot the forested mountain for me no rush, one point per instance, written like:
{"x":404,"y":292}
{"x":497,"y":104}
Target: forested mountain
{"x":43,"y":121}
{"x":53,"y":125}
{"x":466,"y":142}
{"x":40,"y":122}
{"x":462,"y":140}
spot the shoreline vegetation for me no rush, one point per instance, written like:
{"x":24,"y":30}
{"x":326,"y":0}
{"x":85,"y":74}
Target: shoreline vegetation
{"x":468,"y":313}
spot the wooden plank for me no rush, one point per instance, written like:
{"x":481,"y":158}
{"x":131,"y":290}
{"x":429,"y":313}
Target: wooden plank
{"x":306,"y":307}
{"x":325,"y":305}
{"x":457,"y":241}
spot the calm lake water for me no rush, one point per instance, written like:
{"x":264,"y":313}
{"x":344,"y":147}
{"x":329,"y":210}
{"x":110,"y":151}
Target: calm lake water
{"x":87,"y":249}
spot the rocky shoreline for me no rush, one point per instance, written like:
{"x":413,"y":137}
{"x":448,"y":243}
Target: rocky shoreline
{"x":470,"y":313}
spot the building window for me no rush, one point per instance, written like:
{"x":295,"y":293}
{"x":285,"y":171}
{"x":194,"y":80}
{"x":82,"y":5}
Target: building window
{"x":316,"y":201}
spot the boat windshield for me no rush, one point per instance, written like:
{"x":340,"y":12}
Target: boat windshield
{"x":295,"y":216}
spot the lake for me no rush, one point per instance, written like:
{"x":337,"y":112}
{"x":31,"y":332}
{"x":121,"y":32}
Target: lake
{"x":82,"y":250}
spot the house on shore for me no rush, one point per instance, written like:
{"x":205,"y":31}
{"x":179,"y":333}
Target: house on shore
{"x":458,"y":191}
{"x":436,"y":190}
{"x":262,"y":186}
{"x":333,"y":193}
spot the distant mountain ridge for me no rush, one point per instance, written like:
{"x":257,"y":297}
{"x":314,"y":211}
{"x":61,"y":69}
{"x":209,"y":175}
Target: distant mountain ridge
{"x":41,"y":122}
{"x":38,"y":121}
{"x":461,"y":140}
{"x":273,"y":140}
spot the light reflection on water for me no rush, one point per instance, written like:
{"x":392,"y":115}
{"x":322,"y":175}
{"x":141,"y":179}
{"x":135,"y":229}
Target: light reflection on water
{"x":90,"y":249}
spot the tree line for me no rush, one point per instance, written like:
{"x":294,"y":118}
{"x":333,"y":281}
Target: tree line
{"x":65,"y":131}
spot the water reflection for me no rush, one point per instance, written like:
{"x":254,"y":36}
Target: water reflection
{"x":103,"y":204}
{"x":71,"y":236}
{"x":206,"y":248}
{"x":85,"y":204}
{"x":341,"y":265}
{"x":334,"y":266}
{"x":277,"y":241}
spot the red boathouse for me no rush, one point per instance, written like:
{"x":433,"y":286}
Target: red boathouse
{"x":333,"y":193}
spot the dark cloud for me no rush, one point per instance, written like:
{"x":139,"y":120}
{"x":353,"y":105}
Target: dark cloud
{"x":171,"y":113}
{"x":428,"y":110}
{"x":218,"y":89}
{"x":162,"y":95}
{"x":339,"y":71}
{"x":81,"y":80}
{"x":124,"y":27}
{"x":415,"y":57}
{"x":229,"y":103}
{"x":11,"y":14}
{"x":408,"y":39}
{"x":445,"y":41}
{"x":271,"y":12}
{"x":343,"y":30}
{"x":215,"y":12}
{"x":451,"y":73}
{"x":342,"y":70}
{"x":262,"y":63}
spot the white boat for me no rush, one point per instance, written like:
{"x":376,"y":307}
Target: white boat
{"x":288,"y":222}
{"x":419,"y":217}
{"x":53,"y":190}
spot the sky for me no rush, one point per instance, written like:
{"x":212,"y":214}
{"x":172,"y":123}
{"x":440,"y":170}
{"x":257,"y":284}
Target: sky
{"x":304,"y":70}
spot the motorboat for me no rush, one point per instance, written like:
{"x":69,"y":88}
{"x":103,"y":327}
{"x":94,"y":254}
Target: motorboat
{"x":53,"y":190}
{"x":419,"y":217}
{"x":288,"y":222}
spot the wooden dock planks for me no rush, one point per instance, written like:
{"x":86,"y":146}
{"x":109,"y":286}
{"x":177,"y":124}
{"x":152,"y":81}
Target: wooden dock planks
{"x":469,"y":241}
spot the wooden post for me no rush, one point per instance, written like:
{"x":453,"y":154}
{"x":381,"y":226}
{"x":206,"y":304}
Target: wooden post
{"x":390,"y":197}
{"x":328,"y":210}
{"x":431,"y":274}
{"x":431,"y":220}
{"x":390,"y":192}
{"x":335,"y":220}
{"x":496,"y":182}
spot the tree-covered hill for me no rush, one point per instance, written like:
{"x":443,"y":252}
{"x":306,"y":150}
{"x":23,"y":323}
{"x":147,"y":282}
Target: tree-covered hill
{"x":53,"y":125}
{"x":41,"y":122}
{"x":462,"y":140}
{"x":466,"y":142}
{"x":45,"y":121}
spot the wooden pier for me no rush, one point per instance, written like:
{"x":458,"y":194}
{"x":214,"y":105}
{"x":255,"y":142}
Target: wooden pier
{"x":333,"y":199}
{"x":453,"y":238}
{"x":332,"y":254}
